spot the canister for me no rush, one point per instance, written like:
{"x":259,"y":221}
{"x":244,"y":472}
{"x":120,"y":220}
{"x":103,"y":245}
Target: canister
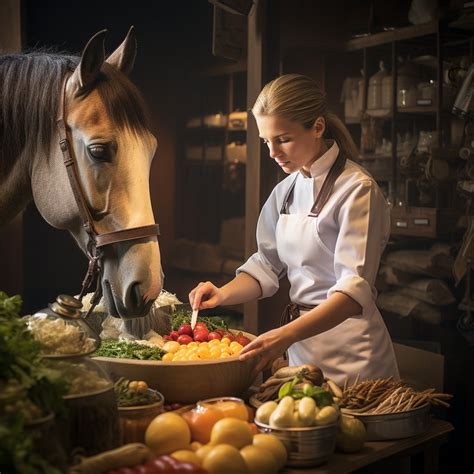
{"x":375,"y":93}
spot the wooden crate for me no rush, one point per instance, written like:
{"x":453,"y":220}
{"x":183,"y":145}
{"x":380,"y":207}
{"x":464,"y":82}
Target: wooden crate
{"x":424,"y":221}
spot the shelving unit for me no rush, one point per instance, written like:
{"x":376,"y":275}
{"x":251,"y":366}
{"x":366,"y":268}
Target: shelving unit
{"x":428,"y":47}
{"x":203,"y":160}
{"x":210,"y":187}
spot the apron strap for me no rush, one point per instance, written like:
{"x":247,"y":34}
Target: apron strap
{"x":328,"y":185}
{"x":326,"y":189}
{"x":292,"y":311}
{"x":284,"y":206}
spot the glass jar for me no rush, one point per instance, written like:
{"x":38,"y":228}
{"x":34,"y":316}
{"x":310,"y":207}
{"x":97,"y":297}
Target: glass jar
{"x":61,"y":330}
{"x":229,"y":407}
{"x":134,"y":420}
{"x":375,"y":89}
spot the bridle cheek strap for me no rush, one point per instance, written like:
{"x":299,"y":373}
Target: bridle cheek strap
{"x":96,"y":241}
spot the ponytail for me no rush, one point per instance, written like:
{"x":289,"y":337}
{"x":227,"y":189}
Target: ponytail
{"x":342,"y":136}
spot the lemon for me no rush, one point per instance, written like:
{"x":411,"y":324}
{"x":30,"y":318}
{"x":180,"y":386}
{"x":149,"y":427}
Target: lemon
{"x":259,"y":460}
{"x":184,"y":455}
{"x":167,"y":433}
{"x":231,"y":431}
{"x":168,"y":357}
{"x":224,"y":459}
{"x":203,"y":451}
{"x":195,"y":445}
{"x":171,"y":346}
{"x":274,"y":445}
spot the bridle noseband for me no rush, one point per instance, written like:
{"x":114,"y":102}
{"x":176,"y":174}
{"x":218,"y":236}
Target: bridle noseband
{"x":96,"y":241}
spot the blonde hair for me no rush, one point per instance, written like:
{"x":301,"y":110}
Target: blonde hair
{"x":299,"y":99}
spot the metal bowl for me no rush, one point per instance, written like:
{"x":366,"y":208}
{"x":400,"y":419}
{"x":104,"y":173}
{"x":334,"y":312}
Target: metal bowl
{"x":311,"y":446}
{"x":394,"y":425}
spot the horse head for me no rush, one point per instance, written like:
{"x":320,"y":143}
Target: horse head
{"x":113,"y":148}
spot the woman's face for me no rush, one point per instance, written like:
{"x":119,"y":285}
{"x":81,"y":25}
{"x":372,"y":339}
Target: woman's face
{"x":290,"y":144}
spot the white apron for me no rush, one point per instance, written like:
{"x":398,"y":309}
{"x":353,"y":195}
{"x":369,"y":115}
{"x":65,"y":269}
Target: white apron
{"x":359,"y":346}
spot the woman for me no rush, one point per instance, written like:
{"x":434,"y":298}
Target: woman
{"x":325,"y":227}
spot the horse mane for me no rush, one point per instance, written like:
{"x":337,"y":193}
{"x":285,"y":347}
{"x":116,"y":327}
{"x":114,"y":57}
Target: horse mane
{"x":30,"y":86}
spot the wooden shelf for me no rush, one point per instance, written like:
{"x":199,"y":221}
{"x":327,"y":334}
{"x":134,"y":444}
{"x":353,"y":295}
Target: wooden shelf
{"x":419,"y":109}
{"x":398,"y":34}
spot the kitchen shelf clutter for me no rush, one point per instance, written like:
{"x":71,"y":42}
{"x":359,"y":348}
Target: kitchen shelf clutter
{"x":397,"y":102}
{"x":398,"y":106}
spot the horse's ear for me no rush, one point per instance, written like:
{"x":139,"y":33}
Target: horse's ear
{"x":92,"y":59}
{"x":123,"y":57}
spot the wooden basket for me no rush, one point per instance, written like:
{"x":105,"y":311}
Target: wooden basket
{"x":186,"y":382}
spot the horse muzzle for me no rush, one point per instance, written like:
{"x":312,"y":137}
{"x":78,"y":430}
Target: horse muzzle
{"x":132,"y":278}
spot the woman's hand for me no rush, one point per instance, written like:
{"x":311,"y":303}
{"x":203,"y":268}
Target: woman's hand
{"x":205,"y":295}
{"x":269,"y":346}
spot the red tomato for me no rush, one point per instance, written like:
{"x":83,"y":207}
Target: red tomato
{"x":214,"y":335}
{"x":241,"y":339}
{"x":174,"y":335}
{"x":201,"y":327}
{"x":167,"y":338}
{"x":185,"y":329}
{"x":229,"y":336}
{"x":184,"y":339}
{"x":200,"y":336}
{"x":161,"y":465}
{"x":146,"y":469}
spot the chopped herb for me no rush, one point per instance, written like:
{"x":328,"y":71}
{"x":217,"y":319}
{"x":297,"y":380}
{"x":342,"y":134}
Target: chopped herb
{"x":183,"y":316}
{"x":128,"y":350}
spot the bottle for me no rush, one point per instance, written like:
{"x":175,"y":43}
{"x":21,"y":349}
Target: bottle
{"x":464,"y":96}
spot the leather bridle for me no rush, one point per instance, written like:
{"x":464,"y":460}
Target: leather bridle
{"x":95,"y":241}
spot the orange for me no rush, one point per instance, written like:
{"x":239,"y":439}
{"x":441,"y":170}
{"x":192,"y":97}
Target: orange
{"x":231,"y":431}
{"x":166,"y":433}
{"x":274,"y":445}
{"x":201,"y":421}
{"x":259,"y":460}
{"x":224,"y":459}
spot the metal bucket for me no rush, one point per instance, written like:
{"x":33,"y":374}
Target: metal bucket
{"x":394,"y":425}
{"x":310,"y":446}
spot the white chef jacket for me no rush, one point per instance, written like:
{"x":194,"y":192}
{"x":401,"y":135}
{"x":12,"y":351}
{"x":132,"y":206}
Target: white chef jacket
{"x":337,"y":251}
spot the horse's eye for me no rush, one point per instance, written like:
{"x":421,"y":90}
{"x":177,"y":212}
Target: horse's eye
{"x":98,"y":152}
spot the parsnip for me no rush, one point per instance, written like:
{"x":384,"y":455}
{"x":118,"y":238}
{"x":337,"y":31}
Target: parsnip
{"x":326,"y":416}
{"x":282,"y":416}
{"x":126,"y":456}
{"x":264,"y":411}
{"x":292,"y":371}
{"x":334,"y":388}
{"x":307,"y":411}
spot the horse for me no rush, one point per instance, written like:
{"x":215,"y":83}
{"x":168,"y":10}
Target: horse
{"x":102,"y":132}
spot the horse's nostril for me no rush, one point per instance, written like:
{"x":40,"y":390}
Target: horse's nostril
{"x":136,"y":298}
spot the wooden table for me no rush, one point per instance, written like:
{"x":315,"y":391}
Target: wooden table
{"x":377,"y":453}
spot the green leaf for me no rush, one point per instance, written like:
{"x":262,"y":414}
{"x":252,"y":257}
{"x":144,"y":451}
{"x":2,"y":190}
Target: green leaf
{"x":285,"y":390}
{"x":323,"y":398}
{"x":298,"y":394}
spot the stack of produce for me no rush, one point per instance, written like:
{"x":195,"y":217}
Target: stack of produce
{"x":269,"y":389}
{"x":383,"y":396}
{"x":232,"y":448}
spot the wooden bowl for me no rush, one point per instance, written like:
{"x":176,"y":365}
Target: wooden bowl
{"x":190,"y":381}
